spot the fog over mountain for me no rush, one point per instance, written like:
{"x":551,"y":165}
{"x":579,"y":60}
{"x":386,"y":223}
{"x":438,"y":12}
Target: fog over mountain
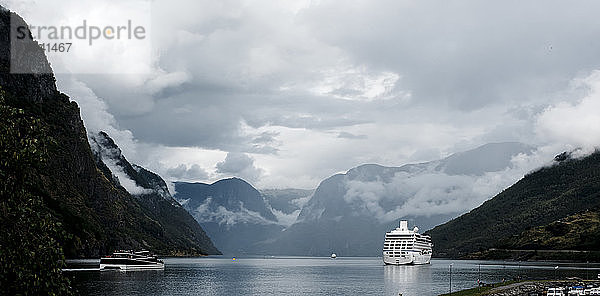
{"x":286,"y":204}
{"x":239,"y":218}
{"x":348,"y":213}
{"x":233,"y":213}
{"x":444,"y":187}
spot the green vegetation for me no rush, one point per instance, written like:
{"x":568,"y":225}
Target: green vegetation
{"x":568,"y":191}
{"x":576,"y":232}
{"x":31,"y":256}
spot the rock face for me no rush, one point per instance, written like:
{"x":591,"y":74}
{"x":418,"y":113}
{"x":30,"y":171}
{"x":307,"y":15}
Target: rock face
{"x":99,"y":215}
{"x":30,"y":58}
{"x":233,"y":213}
{"x":181,"y":231}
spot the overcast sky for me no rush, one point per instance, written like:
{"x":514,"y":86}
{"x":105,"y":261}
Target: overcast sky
{"x":286,"y":93}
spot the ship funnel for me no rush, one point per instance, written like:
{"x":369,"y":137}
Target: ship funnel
{"x":403,"y":225}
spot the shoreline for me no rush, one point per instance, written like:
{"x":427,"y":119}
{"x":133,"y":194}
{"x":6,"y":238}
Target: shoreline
{"x":533,"y":255}
{"x":523,"y":287}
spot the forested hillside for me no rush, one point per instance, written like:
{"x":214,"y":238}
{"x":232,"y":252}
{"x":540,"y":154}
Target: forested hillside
{"x":563,"y":192}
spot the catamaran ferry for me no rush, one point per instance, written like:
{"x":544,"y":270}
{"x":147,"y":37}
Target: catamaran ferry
{"x":130,"y":260}
{"x":404,"y":246}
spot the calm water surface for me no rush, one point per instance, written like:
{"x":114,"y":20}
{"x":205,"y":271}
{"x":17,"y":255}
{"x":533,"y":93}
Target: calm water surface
{"x":310,"y":276}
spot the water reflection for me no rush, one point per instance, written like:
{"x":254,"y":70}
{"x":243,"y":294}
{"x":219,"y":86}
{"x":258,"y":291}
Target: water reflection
{"x":312,"y":276}
{"x":407,"y":279}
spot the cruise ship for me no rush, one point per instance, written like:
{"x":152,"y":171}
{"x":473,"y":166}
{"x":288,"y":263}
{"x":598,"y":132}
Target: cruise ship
{"x":404,"y":246}
{"x":130,"y":260}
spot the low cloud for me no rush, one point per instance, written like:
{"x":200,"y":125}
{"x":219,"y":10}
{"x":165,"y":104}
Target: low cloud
{"x":435,"y":192}
{"x":184,"y":172}
{"x":347,"y":135}
{"x":110,"y":157}
{"x":239,"y":165}
{"x":285,"y":219}
{"x":574,"y":123}
{"x":164,"y":80}
{"x":206,"y":212}
{"x":95,"y":114}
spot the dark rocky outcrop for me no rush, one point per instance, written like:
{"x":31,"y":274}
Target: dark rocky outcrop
{"x":98,"y":215}
{"x":181,"y":231}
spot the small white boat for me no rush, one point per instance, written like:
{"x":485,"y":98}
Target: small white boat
{"x":333,"y":256}
{"x":130,"y":260}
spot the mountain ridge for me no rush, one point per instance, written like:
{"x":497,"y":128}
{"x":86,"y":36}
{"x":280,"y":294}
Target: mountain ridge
{"x":233,"y":213}
{"x":350,"y":212}
{"x":342,"y":214}
{"x":568,"y":187}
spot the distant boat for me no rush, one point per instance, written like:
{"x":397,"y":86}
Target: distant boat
{"x":333,"y":256}
{"x":404,"y":246}
{"x":130,"y":260}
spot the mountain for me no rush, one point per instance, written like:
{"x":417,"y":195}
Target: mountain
{"x":547,"y":209}
{"x":233,"y":213}
{"x":349,"y":213}
{"x":287,"y":203}
{"x":181,"y":231}
{"x":490,"y":157}
{"x":75,"y":190}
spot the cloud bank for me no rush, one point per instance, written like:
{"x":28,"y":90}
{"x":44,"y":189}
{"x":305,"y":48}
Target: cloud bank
{"x":311,"y":88}
{"x":574,"y":123}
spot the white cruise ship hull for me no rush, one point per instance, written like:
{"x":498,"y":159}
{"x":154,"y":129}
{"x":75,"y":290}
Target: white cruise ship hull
{"x":410,"y":259}
{"x":158,"y":266}
{"x":130,"y":260}
{"x":403,"y":246}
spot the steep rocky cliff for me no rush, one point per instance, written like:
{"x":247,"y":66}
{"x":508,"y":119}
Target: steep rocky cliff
{"x":97,"y":214}
{"x":181,"y":231}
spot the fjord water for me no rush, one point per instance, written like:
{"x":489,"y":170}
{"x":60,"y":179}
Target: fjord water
{"x":310,"y":276}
